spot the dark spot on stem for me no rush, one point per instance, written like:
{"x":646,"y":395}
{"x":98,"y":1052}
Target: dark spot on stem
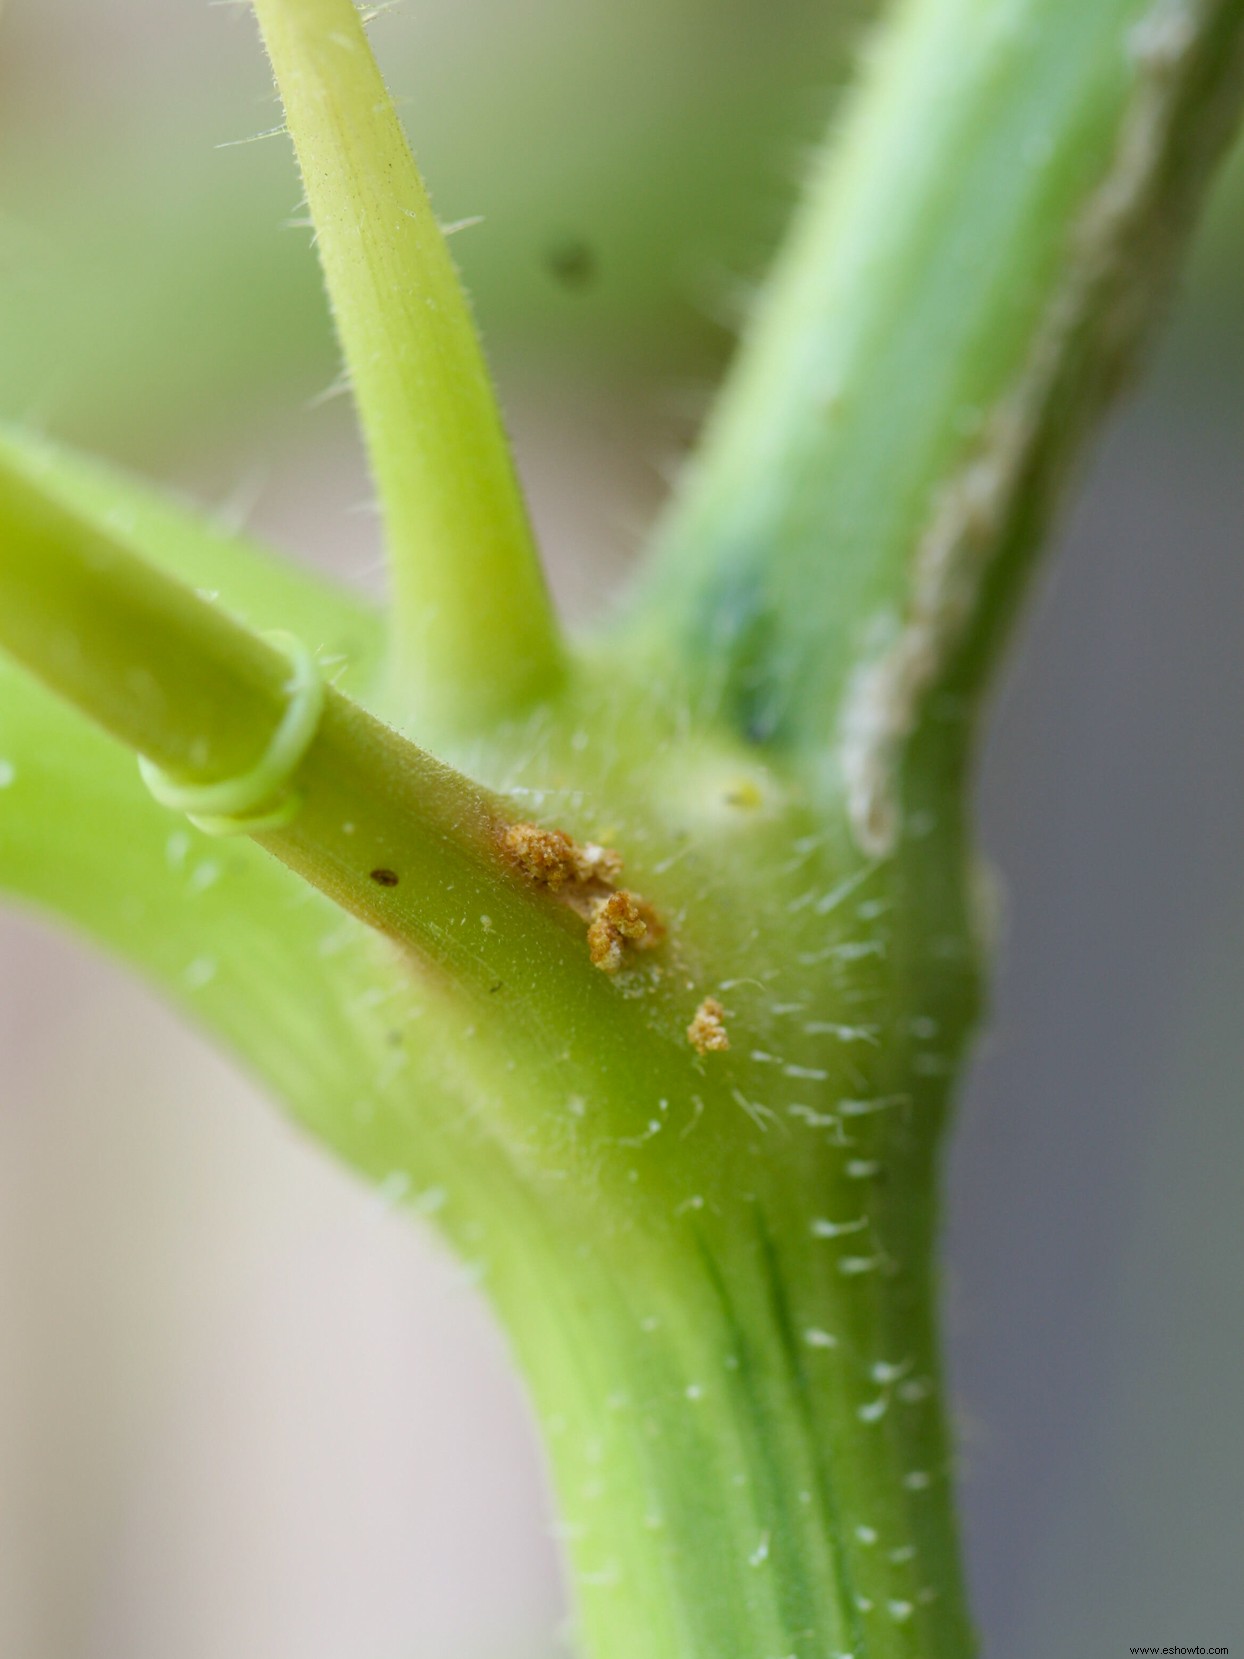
{"x":385,"y":878}
{"x":572,"y":262}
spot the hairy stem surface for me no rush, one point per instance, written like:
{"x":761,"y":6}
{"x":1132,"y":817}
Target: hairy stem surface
{"x":473,"y":631}
{"x":714,"y":1260}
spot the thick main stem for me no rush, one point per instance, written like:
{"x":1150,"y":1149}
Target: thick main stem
{"x":748,"y":1442}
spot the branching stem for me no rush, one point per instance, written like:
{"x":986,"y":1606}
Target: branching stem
{"x":714,"y":1259}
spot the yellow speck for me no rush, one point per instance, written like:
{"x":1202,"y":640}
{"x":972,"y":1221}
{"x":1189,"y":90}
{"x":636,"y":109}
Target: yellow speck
{"x":707,"y":1032}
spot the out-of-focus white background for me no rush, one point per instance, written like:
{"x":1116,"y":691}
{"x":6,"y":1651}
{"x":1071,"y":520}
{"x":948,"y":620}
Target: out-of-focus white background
{"x":245,"y":1411}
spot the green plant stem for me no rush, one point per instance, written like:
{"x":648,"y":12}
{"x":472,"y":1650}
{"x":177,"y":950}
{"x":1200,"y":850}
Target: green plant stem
{"x":386,"y":831}
{"x":725,"y":1483}
{"x":473,"y":631}
{"x":729,"y":1391}
{"x":252,"y":583}
{"x":716,"y":1267}
{"x":169,"y":673}
{"x":174,"y":677}
{"x":974,"y":266}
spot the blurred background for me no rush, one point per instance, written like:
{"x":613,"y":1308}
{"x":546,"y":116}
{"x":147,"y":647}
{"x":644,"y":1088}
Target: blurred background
{"x":245,"y":1411}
